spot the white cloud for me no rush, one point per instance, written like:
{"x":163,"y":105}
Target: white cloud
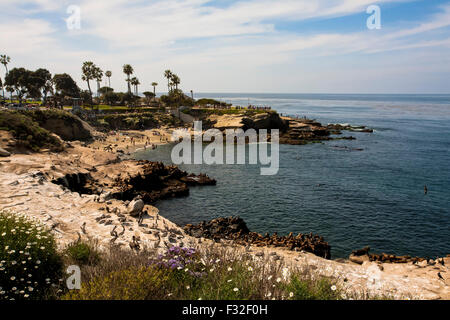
{"x":199,"y":40}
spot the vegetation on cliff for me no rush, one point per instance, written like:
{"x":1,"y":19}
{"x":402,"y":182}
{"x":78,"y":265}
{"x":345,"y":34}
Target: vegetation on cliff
{"x":30,"y":266}
{"x":27,"y":132}
{"x":191,"y":274}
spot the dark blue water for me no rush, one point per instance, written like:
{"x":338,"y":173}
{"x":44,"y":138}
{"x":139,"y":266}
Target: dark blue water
{"x":373,"y":197}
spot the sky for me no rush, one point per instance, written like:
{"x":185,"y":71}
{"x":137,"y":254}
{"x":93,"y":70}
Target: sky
{"x":256,"y":46}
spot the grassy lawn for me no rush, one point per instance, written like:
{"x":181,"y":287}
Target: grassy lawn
{"x":23,"y":101}
{"x":221,"y":112}
{"x":104,"y":107}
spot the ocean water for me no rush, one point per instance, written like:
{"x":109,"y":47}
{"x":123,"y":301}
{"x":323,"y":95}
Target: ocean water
{"x":373,"y":197}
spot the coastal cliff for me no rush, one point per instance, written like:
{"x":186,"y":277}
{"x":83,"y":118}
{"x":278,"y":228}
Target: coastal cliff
{"x":294,"y":131}
{"x":87,"y":191}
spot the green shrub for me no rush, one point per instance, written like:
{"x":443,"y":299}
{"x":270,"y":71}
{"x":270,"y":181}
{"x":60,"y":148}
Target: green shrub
{"x":306,"y":289}
{"x":28,"y":132}
{"x":145,"y":283}
{"x":83,"y":253}
{"x":41,"y":116}
{"x":30,"y":267}
{"x":188,"y":274}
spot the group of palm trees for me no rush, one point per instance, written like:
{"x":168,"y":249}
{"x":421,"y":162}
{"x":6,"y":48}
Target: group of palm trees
{"x":4,"y":60}
{"x":92,"y":72}
{"x":172,"y":80}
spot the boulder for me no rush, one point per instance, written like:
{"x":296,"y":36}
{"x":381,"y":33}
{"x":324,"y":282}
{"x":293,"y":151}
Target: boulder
{"x":106,"y":196}
{"x":135,"y":207}
{"x":359,"y":259}
{"x":361,"y":252}
{"x":423,"y":263}
{"x":4,"y":153}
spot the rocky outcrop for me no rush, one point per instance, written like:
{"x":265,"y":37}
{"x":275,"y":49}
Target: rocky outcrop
{"x":154,"y":181}
{"x":303,"y":131}
{"x":4,"y":153}
{"x":127,"y":180}
{"x":338,"y":128}
{"x":69,"y":131}
{"x":294,"y":131}
{"x":267,"y":121}
{"x":64,"y":124}
{"x":234,"y":228}
{"x":76,"y":182}
{"x":360,"y":256}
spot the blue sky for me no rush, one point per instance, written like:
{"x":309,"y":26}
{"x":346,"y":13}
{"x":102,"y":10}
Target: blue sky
{"x":297,"y":46}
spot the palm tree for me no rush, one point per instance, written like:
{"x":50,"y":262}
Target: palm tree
{"x":128,"y":70}
{"x":137,"y":83}
{"x":4,"y":60}
{"x":134,"y":82}
{"x":175,"y":80}
{"x":154,"y":84}
{"x":90,"y":72}
{"x":3,"y":89}
{"x":98,"y":77}
{"x":108,"y":74}
{"x":168,"y":75}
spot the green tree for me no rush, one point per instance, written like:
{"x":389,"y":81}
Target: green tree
{"x":66,"y":86}
{"x":105,"y":90}
{"x":98,"y":78}
{"x":135,"y":82}
{"x":10,"y":90}
{"x":111,"y":98}
{"x":108,"y":74}
{"x":175,"y":81}
{"x":128,"y":70}
{"x":4,"y":60}
{"x":89,"y":70}
{"x":177,"y":98}
{"x":20,"y":80}
{"x":3,"y":88}
{"x":168,"y":75}
{"x":42,"y":83}
{"x":154,"y":85}
{"x":148,"y":96}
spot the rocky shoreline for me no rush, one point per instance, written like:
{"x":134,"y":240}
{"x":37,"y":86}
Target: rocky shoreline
{"x":293,"y":131}
{"x":234,"y":228}
{"x":150,"y":181}
{"x":99,"y":196}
